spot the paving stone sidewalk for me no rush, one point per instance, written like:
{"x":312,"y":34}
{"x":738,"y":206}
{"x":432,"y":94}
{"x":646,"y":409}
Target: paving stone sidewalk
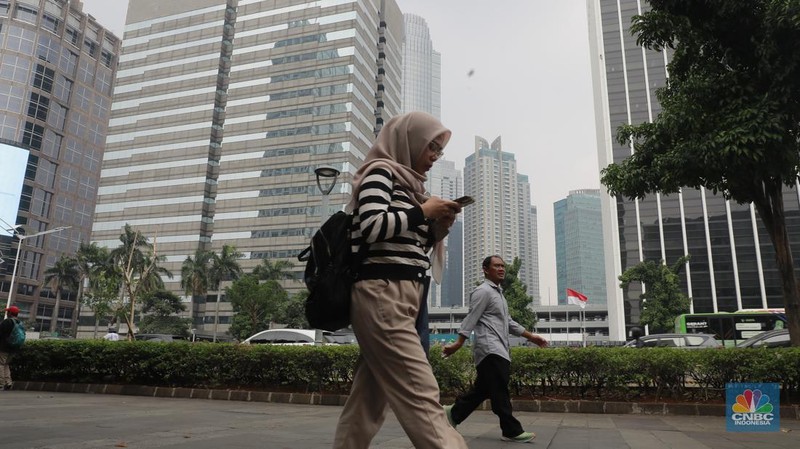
{"x":52,"y":420}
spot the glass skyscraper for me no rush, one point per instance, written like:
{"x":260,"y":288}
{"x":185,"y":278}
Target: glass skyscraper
{"x":580,"y":263}
{"x":57,"y":67}
{"x":732,"y":262}
{"x":222,"y":111}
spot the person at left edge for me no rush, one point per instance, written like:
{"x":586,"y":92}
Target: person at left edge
{"x":6,"y":352}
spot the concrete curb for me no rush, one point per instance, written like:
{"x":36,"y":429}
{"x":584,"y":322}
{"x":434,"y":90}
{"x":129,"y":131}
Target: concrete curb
{"x":526,"y":405}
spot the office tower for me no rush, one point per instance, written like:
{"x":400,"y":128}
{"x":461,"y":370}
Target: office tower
{"x":732,"y":262}
{"x":445,"y":181}
{"x":57,"y":66}
{"x":224,"y":109}
{"x":580,"y":263}
{"x":502,"y":220}
{"x":422,"y":71}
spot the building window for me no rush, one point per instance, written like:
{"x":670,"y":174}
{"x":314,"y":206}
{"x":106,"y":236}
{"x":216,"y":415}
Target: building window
{"x":52,"y":144}
{"x":58,"y":116}
{"x":20,"y":40}
{"x":69,"y":181}
{"x":86,"y":72}
{"x":63,"y":89}
{"x":103,"y":81}
{"x":8,"y":127}
{"x":33,"y":135}
{"x":11,"y":98}
{"x":106,"y":58}
{"x":68,"y":62}
{"x":43,"y":78}
{"x":72,"y":36}
{"x":38,"y":107}
{"x":50,"y":23}
{"x":26,"y":14}
{"x":14,"y":68}
{"x":48,"y":49}
{"x":90,"y":47}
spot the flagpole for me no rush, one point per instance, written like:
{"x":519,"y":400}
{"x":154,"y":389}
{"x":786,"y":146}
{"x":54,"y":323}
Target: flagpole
{"x":583,"y":329}
{"x":567,"y":322}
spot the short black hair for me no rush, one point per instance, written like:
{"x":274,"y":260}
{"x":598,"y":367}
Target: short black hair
{"x":488,"y":261}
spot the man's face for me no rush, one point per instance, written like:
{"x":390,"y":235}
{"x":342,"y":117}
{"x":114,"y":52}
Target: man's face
{"x":496,"y":271}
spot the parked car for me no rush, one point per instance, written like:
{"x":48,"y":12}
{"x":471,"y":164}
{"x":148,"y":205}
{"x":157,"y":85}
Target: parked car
{"x":683,"y":341}
{"x":283,"y":337}
{"x":778,"y":338}
{"x":167,"y":338}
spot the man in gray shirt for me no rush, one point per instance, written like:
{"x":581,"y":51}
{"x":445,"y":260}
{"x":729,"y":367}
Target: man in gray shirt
{"x":488,"y":317}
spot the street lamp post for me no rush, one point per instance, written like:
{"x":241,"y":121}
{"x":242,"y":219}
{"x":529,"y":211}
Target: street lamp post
{"x":19,"y":248}
{"x":326,"y":180}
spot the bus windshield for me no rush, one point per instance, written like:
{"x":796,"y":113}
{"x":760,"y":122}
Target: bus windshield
{"x":731,"y":327}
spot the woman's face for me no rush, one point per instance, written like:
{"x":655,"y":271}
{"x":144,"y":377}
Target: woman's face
{"x":433,"y":151}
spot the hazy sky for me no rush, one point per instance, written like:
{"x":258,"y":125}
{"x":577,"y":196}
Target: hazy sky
{"x":531,"y":85}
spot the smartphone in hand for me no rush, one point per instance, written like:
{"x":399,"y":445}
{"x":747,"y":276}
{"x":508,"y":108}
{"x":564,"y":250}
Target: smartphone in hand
{"x":465,"y":200}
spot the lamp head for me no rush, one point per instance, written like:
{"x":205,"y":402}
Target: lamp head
{"x":328,"y":172}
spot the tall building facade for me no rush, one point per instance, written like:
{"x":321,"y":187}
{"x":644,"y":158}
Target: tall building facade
{"x":57,"y":67}
{"x":422,"y":71}
{"x":732,"y":262}
{"x":422,"y":92}
{"x":222,"y":111}
{"x":445,"y":181}
{"x":502,"y":220}
{"x":580,"y":260}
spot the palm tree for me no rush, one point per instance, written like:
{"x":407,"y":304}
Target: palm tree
{"x":63,"y":275}
{"x":224,"y":266}
{"x":88,"y":257}
{"x":277,"y":271}
{"x":195,"y":273}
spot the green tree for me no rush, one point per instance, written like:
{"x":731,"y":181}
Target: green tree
{"x":730,"y":120}
{"x":662,"y":300}
{"x":161,"y":309}
{"x":225,"y":266}
{"x":278,"y":271}
{"x":103,"y":295}
{"x":255,"y":305}
{"x":137,"y":262}
{"x":293,"y":314}
{"x":89,"y":259}
{"x":64,"y":275}
{"x":516,"y":294}
{"x":195,"y":273}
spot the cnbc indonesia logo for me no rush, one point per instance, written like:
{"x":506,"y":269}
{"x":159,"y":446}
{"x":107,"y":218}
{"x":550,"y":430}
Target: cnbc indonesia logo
{"x":752,"y":407}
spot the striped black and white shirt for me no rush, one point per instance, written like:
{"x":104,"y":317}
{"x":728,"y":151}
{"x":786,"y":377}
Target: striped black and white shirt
{"x":394,"y":228}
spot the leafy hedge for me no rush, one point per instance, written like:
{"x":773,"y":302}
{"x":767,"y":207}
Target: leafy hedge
{"x":580,"y":373}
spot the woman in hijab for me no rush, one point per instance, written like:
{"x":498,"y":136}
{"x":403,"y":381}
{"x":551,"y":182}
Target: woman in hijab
{"x":401,"y":225}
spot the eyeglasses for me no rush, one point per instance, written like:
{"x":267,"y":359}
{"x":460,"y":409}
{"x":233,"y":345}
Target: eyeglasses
{"x":436,"y":149}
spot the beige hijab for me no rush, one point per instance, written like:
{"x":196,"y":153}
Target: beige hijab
{"x":400,"y":143}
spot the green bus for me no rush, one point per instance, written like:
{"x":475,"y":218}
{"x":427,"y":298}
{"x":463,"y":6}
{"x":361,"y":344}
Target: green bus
{"x":731,"y":328}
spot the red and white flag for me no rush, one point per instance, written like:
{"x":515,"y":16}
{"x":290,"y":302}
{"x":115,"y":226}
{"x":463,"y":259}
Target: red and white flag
{"x":576,"y":298}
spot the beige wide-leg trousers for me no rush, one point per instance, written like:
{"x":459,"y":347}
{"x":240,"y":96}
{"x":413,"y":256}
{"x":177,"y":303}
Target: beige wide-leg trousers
{"x":393,"y":370}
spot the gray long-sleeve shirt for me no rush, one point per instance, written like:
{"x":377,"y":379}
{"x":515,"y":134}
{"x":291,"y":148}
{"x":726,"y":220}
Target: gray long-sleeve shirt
{"x":488,"y":317}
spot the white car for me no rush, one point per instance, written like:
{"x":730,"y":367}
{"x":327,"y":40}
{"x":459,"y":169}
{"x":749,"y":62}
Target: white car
{"x":285,"y":337}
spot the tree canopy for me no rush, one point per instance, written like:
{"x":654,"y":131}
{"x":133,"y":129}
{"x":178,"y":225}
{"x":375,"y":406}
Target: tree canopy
{"x":730,"y":120}
{"x":255,"y":305}
{"x":662,"y":300}
{"x":516,"y":294}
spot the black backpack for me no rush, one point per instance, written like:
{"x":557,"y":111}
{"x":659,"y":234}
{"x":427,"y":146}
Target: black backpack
{"x":331,"y":270}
